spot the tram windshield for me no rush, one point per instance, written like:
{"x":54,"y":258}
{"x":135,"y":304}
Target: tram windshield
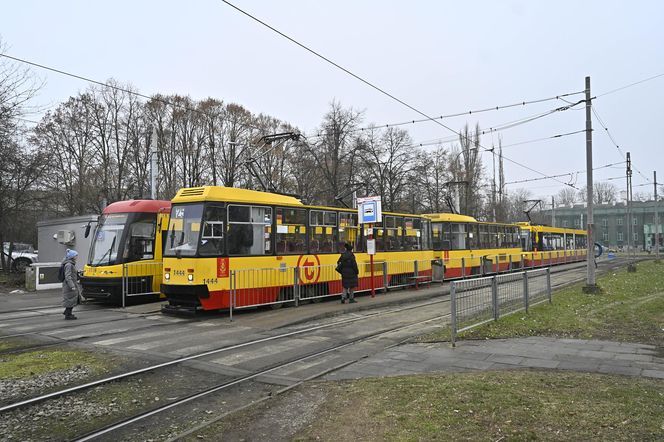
{"x":184,"y":230}
{"x":107,"y":239}
{"x":123,"y":237}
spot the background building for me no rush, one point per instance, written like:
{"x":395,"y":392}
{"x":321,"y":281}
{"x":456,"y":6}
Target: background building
{"x":611,"y":223}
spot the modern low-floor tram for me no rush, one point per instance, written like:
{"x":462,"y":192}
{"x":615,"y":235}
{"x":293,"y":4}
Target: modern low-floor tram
{"x":126,"y":252}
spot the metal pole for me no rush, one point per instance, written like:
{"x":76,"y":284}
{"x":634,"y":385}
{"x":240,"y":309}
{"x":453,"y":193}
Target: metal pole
{"x":231,"y":298}
{"x":526,"y":303}
{"x":629,"y":207}
{"x":494,"y":297}
{"x":590,"y":265}
{"x":630,"y":227}
{"x":124,"y":283}
{"x":553,"y":211}
{"x":296,"y":286}
{"x":453,"y":312}
{"x":153,"y":165}
{"x":656,"y":217}
{"x":385,"y":281}
{"x":548,"y":284}
{"x":371,"y":263}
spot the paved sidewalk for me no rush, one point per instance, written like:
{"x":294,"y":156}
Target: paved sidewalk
{"x":509,"y":354}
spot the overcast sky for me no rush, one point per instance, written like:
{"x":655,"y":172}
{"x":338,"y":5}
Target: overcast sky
{"x":440,"y":57}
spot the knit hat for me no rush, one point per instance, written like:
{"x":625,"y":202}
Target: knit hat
{"x":71,"y":254}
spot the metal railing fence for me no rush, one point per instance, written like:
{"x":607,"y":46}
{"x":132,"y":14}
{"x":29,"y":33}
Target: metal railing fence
{"x":475,"y":302}
{"x":140,"y":279}
{"x":294,"y":285}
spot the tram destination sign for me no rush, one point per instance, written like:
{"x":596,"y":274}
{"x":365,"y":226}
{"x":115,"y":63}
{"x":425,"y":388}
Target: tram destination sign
{"x":369,"y":210}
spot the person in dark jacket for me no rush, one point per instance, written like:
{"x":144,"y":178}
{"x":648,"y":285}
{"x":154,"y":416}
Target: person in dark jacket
{"x":69,"y":284}
{"x":347,"y":266}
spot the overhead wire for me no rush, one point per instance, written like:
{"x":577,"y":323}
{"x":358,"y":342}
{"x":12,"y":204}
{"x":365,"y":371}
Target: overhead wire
{"x":440,"y":141}
{"x":179,"y":106}
{"x":373,"y":86}
{"x":608,"y":133}
{"x":114,"y":87}
{"x":156,"y":98}
{"x":563,"y":174}
{"x":495,"y":108}
{"x":630,"y":85}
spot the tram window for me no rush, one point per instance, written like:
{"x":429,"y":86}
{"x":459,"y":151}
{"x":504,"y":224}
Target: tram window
{"x":581,"y":241}
{"x":249,"y":230}
{"x":569,"y":241}
{"x":552,"y":241}
{"x":425,"y":237}
{"x":447,"y":237}
{"x":140,"y":241}
{"x":393,"y":227}
{"x":349,"y":232}
{"x":291,"y":231}
{"x":412,"y":234}
{"x":322,"y":228}
{"x":239,"y":214}
{"x":526,"y":242}
{"x":438,"y":235}
{"x":516,"y":240}
{"x":212,"y":237}
{"x":473,"y":241}
{"x":483,"y":242}
{"x":458,"y":235}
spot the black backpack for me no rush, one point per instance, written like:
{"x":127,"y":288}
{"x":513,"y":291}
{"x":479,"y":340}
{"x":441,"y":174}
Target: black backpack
{"x":61,"y":273}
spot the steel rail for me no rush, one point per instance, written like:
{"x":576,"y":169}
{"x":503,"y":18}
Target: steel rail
{"x":248,"y":377}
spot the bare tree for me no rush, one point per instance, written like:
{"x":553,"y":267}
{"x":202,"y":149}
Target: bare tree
{"x":67,"y":133}
{"x":567,"y":196}
{"x":387,"y":161}
{"x":19,"y":166}
{"x":517,"y":204}
{"x":466,"y":167}
{"x":432,"y":174}
{"x":603,"y":193}
{"x":501,"y":209}
{"x":335,"y":151}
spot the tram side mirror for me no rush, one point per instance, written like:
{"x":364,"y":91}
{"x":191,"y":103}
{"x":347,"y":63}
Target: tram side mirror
{"x":87,"y":230}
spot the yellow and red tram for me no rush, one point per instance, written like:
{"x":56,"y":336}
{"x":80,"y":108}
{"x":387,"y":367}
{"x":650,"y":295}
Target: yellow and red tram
{"x":214,"y":231}
{"x":469,"y":247}
{"x":129,"y":234}
{"x":546,"y":245}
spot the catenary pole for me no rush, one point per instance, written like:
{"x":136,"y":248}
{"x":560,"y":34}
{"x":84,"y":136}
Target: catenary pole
{"x":628,"y":173}
{"x":590,"y":258}
{"x":553,"y":211}
{"x":654,"y":173}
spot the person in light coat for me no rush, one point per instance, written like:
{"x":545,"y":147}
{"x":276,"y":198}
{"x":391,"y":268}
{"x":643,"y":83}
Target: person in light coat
{"x":69,"y":284}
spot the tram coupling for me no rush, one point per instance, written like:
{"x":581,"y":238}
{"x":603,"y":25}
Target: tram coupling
{"x":179,"y":310}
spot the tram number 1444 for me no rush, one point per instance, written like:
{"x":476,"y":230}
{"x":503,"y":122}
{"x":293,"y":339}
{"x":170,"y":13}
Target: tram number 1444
{"x":210,"y":281}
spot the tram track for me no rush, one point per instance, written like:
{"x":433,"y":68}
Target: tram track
{"x":266,"y":370}
{"x":216,"y":351}
{"x":256,"y":374}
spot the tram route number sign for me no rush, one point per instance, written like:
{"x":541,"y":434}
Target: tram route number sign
{"x":369,"y":210}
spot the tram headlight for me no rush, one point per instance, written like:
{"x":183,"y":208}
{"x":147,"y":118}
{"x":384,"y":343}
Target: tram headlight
{"x":167,"y":276}
{"x":190,"y":277}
